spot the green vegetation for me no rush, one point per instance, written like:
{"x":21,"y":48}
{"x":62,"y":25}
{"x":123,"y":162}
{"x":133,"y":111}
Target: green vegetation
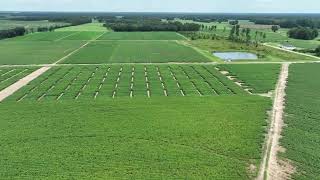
{"x":9,"y":76}
{"x":43,"y":36}
{"x":302,"y":132}
{"x":264,"y":53}
{"x":95,"y":82}
{"x":30,"y":52}
{"x":211,"y":137}
{"x":260,"y":78}
{"x":135,"y":52}
{"x":29,"y":25}
{"x":303,"y":33}
{"x":280,"y":37}
{"x":84,"y":36}
{"x":96,"y":27}
{"x":142,"y":36}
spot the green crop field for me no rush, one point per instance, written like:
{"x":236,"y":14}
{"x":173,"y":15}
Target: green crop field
{"x":259,"y":78}
{"x":95,"y":82}
{"x":97,"y":27}
{"x":142,"y":36}
{"x":177,"y":138}
{"x":302,"y":132}
{"x":86,"y":35}
{"x":43,"y":36}
{"x":31,"y":52}
{"x":135,"y":52}
{"x":9,"y":76}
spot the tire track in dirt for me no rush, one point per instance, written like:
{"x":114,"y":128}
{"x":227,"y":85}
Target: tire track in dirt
{"x":272,"y":167}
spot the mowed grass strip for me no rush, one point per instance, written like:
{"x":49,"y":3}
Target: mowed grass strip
{"x":35,"y":52}
{"x":160,"y":138}
{"x":135,"y":52}
{"x":302,"y":131}
{"x":259,"y":78}
{"x":112,"y":81}
{"x":142,"y":36}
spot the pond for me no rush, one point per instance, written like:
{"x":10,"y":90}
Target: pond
{"x":232,"y":56}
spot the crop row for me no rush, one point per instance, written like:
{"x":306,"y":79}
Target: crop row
{"x":258,"y":78}
{"x":128,"y":81}
{"x":9,"y":76}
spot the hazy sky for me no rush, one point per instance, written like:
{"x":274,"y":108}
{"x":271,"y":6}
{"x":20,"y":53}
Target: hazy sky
{"x":231,"y":6}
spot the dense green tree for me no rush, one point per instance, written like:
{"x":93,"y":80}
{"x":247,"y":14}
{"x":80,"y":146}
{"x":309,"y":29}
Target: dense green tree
{"x":18,"y":31}
{"x":317,"y":51}
{"x":303,"y":33}
{"x":275,"y":28}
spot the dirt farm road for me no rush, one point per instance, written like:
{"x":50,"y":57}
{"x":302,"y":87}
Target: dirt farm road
{"x":272,"y":167}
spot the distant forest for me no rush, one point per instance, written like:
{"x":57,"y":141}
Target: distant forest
{"x":146,"y":24}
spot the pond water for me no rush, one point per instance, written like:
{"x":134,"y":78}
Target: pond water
{"x":232,"y":56}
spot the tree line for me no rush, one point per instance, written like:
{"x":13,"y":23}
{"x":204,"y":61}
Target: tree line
{"x":290,"y":23}
{"x":9,"y":33}
{"x":303,"y":33}
{"x":245,"y":35}
{"x":148,"y":24}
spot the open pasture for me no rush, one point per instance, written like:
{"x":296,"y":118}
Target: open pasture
{"x":9,"y":76}
{"x":31,"y":52}
{"x":157,"y":138}
{"x":135,"y":52}
{"x":259,"y":78}
{"x":142,"y":36}
{"x":302,"y":131}
{"x":95,"y":82}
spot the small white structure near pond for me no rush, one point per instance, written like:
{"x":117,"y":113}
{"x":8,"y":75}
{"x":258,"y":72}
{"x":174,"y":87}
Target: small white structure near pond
{"x":288,"y":47}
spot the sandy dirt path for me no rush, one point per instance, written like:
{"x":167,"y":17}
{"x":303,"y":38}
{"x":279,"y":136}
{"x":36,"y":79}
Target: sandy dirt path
{"x":22,"y":82}
{"x":272,"y":167}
